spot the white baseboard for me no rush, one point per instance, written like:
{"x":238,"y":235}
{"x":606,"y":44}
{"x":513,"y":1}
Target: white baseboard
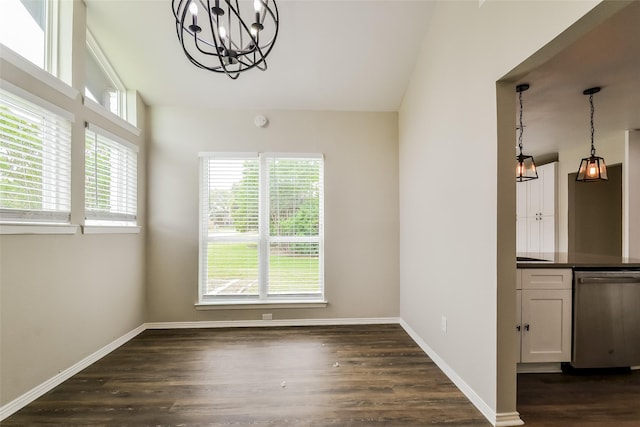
{"x":271,"y":323}
{"x":507,"y":419}
{"x":497,"y":419}
{"x":28,"y":397}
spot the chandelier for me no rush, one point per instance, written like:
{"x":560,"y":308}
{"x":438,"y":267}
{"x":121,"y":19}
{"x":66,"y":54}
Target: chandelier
{"x":227,"y":36}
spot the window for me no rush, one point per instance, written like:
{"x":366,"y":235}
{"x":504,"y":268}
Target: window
{"x":35,"y":160}
{"x":111,"y":175}
{"x":261,"y":227}
{"x":103,"y":85}
{"x":25,"y":28}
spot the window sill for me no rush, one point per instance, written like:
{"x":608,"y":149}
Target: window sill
{"x":32,"y":228}
{"x":110,"y":229}
{"x":247,"y":305}
{"x":117,"y":120}
{"x":33,"y":70}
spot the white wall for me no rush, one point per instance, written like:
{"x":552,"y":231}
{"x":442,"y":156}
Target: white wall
{"x":457,"y":260}
{"x":361,"y":205}
{"x":611,"y":150}
{"x":63,"y":297}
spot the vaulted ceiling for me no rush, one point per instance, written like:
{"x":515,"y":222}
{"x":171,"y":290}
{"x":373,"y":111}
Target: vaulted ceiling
{"x":359,"y":55}
{"x":329,"y":55}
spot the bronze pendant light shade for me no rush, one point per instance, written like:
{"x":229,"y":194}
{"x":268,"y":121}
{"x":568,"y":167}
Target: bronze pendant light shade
{"x":526,"y":166}
{"x":592,"y":168}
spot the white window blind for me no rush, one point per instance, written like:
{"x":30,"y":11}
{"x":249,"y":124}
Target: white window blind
{"x":295,"y":203}
{"x":111,"y":177}
{"x":261,"y":227}
{"x":35,"y":160}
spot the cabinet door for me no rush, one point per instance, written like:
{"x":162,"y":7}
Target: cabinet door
{"x":540,"y":235}
{"x":534,"y":242}
{"x":547,"y":174}
{"x":546,"y":324}
{"x":534,"y":195}
{"x":547,"y":234}
{"x":518,"y":328}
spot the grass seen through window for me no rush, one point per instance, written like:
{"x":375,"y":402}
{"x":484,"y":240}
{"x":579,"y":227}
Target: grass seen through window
{"x":233,"y":270}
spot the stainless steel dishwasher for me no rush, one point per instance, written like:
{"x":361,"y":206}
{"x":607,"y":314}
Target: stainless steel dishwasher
{"x":606,"y":319}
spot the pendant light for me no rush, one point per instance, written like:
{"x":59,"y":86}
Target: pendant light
{"x":526,"y":167}
{"x":592,"y":168}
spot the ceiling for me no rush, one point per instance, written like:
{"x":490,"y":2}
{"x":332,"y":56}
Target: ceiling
{"x":358,"y":56}
{"x":556,"y":113}
{"x":329,"y":55}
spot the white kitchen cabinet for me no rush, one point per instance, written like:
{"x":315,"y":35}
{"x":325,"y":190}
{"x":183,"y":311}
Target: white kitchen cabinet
{"x":543,"y":313}
{"x":521,"y":235}
{"x":546,"y":325}
{"x":536,"y":202}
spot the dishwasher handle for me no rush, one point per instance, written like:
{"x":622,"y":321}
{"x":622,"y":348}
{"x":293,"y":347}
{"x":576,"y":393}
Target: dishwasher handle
{"x":617,"y":279}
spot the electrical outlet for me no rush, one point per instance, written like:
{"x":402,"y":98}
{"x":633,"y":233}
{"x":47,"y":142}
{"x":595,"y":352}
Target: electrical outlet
{"x":444,"y":324}
{"x":267,"y":316}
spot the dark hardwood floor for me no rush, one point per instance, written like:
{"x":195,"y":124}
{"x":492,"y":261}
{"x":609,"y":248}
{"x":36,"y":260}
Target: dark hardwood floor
{"x":296,"y":376}
{"x":580,"y":399}
{"x":306,"y":376}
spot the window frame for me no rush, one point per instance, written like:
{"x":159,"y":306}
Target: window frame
{"x":50,"y":42}
{"x":103,"y":221}
{"x":43,"y":220}
{"x":94,"y":50}
{"x":263,"y":239}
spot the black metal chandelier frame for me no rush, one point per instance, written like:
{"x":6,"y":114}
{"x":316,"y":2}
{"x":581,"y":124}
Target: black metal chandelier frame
{"x":226,"y":42}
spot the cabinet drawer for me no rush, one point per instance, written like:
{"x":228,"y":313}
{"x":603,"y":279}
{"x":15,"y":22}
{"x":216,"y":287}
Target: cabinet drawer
{"x":519,"y":278}
{"x":546,"y":278}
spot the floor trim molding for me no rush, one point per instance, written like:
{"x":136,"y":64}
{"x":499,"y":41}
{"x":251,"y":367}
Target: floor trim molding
{"x":28,"y":397}
{"x":496,"y":419}
{"x":507,"y":419}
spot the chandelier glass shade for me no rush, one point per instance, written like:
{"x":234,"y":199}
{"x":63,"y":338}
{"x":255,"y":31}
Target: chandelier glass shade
{"x":592,"y":168}
{"x":526,"y":166}
{"x":227,"y":36}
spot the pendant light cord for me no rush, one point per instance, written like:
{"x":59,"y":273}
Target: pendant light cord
{"x":593,"y":148}
{"x":522,"y":127}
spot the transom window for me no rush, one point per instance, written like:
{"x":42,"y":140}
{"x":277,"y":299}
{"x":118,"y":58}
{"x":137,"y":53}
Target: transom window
{"x":26,"y":28}
{"x":103,"y":85}
{"x":261,"y":228}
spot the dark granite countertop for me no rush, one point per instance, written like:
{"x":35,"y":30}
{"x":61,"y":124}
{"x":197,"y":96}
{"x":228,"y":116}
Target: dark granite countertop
{"x":565,"y":260}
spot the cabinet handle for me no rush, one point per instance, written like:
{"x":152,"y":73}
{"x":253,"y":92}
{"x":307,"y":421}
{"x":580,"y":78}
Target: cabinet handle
{"x":526,"y":326}
{"x":518,"y":328}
